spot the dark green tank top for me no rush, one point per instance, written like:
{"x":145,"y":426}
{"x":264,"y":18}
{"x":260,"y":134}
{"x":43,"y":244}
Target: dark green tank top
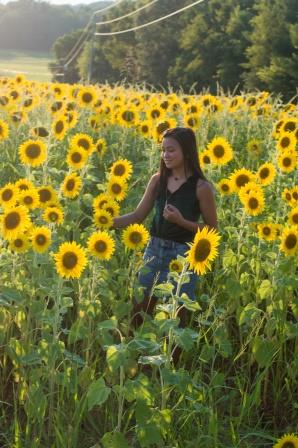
{"x":184,"y":198}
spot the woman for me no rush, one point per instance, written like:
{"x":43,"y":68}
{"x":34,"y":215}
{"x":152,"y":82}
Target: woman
{"x":180,"y":193}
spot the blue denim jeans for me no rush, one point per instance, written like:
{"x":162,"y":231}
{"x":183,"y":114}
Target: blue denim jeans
{"x":157,"y":256}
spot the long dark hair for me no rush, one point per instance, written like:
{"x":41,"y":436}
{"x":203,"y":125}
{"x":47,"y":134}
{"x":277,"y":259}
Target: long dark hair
{"x":187,"y":140}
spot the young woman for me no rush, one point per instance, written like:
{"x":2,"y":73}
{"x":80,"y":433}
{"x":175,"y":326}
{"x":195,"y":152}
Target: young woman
{"x":180,"y":193}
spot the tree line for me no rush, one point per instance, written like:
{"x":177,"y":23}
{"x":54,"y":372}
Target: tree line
{"x":234,"y":44}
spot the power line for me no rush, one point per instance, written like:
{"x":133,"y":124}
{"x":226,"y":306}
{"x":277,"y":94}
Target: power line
{"x":152,"y":22}
{"x":127,"y":15}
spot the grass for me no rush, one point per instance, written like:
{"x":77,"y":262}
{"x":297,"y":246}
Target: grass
{"x":33,"y":65}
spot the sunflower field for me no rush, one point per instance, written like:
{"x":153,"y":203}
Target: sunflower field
{"x":72,"y":371}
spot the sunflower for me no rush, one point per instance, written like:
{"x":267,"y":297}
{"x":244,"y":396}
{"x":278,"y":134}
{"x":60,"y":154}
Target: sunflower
{"x":87,"y":96}
{"x":47,"y":195}
{"x":70,"y":260}
{"x":77,"y":158}
{"x":287,"y":161}
{"x":203,"y":250}
{"x":83,"y":141}
{"x":220,"y":151}
{"x":100,"y":147}
{"x":71,"y":118}
{"x":24,"y":184}
{"x":135,"y":236}
{"x":287,"y":196}
{"x":14,"y":221}
{"x":267,"y":231}
{"x":103,"y":219}
{"x":293,"y":216}
{"x":144,"y":127}
{"x":117,"y":188}
{"x":240,"y":177}
{"x":287,"y":441}
{"x":266,"y":173}
{"x":248,"y":188}
{"x":225,"y":186}
{"x":71,"y":186}
{"x":161,"y":126}
{"x":128,"y":116}
{"x":122,"y":168}
{"x":4,"y":130}
{"x":101,"y":245}
{"x":40,"y":131}
{"x":94,"y":121}
{"x":20,"y":243}
{"x":112,"y":207}
{"x":33,"y":152}
{"x":53,"y":215}
{"x":175,"y":266}
{"x":191,"y":121}
{"x":205,"y":158}
{"x":286,"y":141}
{"x":100,"y":201}
{"x":235,"y":103}
{"x":18,"y":116}
{"x":289,"y":125}
{"x":289,"y":240}
{"x":9,"y":195}
{"x":254,"y":203}
{"x":40,"y":238}
{"x":29,"y":198}
{"x":254,"y":147}
{"x":60,"y":127}
{"x":155,"y":112}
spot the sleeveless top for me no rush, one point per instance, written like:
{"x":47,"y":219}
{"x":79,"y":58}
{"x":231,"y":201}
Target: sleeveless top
{"x":185,"y":200}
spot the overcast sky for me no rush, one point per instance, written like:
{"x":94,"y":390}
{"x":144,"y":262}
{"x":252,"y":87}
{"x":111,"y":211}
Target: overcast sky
{"x":63,"y":2}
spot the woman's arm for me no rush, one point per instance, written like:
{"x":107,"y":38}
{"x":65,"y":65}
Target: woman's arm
{"x":143,"y":209}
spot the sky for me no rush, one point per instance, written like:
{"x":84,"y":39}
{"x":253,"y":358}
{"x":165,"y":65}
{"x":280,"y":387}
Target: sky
{"x":64,"y":2}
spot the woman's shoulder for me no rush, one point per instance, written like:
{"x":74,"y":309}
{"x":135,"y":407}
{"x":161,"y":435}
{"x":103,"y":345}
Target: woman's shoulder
{"x":204,"y":187}
{"x":155,"y":178}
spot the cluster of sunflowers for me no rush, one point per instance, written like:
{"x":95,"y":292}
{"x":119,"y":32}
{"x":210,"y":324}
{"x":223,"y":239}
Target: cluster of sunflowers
{"x":62,"y":110}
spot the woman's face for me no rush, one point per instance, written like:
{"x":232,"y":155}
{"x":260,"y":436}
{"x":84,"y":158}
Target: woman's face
{"x":172,"y":153}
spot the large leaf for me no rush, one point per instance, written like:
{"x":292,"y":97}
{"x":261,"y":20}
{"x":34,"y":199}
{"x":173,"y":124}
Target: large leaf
{"x":97,"y":393}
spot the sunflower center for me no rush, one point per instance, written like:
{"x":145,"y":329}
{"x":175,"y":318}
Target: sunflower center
{"x":33,"y":151}
{"x":41,"y":132}
{"x":191,"y":121}
{"x":241,"y":180}
{"x":295,"y":218}
{"x":206,"y":102}
{"x":76,"y":157}
{"x":41,"y":239}
{"x":206,"y":159}
{"x":253,"y":203}
{"x":234,"y":102}
{"x":175,"y":267}
{"x":251,"y":101}
{"x":7,"y":195}
{"x":128,"y":115}
{"x":161,"y":127}
{"x":12,"y":220}
{"x":145,"y":128}
{"x":266,"y":230}
{"x":295,"y":195}
{"x":56,"y":106}
{"x":119,"y":170}
{"x":286,"y":161}
{"x":53,"y":216}
{"x":18,"y":242}
{"x":84,"y":143}
{"x":28,"y":200}
{"x":135,"y":237}
{"x":44,"y":195}
{"x":203,"y":249}
{"x":225,"y":187}
{"x":116,"y":188}
{"x":87,"y":97}
{"x":100,"y":246}
{"x":110,"y":210}
{"x":59,"y":126}
{"x":103,"y":219}
{"x":264,"y":173}
{"x":290,"y":126}
{"x":23,"y":187}
{"x":155,"y":113}
{"x":28,"y":102}
{"x":288,"y":445}
{"x":291,"y":241}
{"x":70,"y":184}
{"x":288,"y":196}
{"x":218,"y":151}
{"x":285,"y":141}
{"x":69,"y":260}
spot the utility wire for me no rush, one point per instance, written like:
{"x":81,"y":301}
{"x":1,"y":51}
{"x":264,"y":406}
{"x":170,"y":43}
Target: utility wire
{"x":127,"y":15}
{"x":82,"y":36}
{"x":152,"y":22}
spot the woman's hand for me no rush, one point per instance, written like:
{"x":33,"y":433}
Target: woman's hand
{"x":172,"y":214}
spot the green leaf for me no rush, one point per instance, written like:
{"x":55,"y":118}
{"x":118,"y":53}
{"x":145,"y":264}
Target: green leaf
{"x":229,"y":259}
{"x":110,"y":324}
{"x":263,"y":350}
{"x":207,"y":353}
{"x":190,"y":305}
{"x":185,"y":338}
{"x":114,"y":440}
{"x":30,"y":359}
{"x":157,"y":360}
{"x":9,"y":295}
{"x":249,"y":314}
{"x":116,"y":356}
{"x":97,"y":393}
{"x":265,"y":289}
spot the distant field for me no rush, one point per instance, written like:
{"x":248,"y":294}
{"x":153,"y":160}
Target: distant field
{"x":33,"y":65}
